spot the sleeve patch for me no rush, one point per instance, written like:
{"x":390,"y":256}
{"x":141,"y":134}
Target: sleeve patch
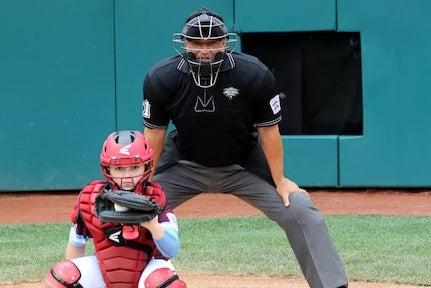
{"x":275,"y":104}
{"x":146,"y":106}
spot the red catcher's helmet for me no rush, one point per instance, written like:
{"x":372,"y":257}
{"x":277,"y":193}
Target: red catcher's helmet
{"x":126,"y":148}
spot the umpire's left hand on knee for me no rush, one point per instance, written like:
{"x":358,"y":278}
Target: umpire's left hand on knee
{"x":285,"y":187}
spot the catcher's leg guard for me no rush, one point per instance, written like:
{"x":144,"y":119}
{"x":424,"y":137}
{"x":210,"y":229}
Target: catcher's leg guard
{"x":63,"y":274}
{"x":164,"y":278}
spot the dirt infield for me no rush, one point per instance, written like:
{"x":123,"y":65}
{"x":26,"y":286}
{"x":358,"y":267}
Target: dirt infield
{"x":198,"y":280}
{"x":34,"y":209}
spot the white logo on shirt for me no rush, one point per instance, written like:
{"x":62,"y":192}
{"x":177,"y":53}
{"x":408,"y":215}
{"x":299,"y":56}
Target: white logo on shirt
{"x":230,"y":92}
{"x":275,"y":104}
{"x":146,"y":109}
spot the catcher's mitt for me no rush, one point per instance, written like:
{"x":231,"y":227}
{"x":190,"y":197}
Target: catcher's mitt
{"x":125,"y":207}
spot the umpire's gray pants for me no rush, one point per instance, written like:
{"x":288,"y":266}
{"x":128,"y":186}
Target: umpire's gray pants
{"x":303,"y":224}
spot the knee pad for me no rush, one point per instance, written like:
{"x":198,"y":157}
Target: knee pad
{"x":164,"y":278}
{"x":64,"y":274}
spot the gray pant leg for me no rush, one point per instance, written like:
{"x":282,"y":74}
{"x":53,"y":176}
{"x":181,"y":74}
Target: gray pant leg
{"x":304,"y":226}
{"x":312,"y":245}
{"x":181,"y":183}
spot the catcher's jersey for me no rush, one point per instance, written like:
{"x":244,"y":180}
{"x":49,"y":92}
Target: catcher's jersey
{"x":216,"y":126}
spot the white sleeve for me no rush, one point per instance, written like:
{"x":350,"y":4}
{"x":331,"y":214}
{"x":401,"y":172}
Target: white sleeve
{"x":76,"y":239}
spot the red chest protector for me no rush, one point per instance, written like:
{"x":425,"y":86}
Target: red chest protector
{"x":121,"y":261}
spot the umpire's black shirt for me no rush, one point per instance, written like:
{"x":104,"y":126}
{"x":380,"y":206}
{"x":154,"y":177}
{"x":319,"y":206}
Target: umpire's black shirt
{"x":215,"y":126}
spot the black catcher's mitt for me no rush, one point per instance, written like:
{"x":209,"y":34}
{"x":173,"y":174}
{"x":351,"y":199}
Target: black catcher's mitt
{"x":125,"y":207}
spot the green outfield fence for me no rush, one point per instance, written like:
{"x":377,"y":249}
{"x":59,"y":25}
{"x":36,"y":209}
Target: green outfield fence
{"x":72,"y":71}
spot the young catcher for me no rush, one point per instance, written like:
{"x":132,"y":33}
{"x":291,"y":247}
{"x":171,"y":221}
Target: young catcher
{"x":134,"y":231}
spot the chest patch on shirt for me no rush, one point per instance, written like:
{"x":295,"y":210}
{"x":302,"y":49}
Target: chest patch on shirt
{"x":275,"y":104}
{"x":230,"y":92}
{"x":146,"y":109}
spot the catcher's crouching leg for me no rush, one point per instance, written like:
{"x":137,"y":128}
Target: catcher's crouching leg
{"x":63,"y":274}
{"x":164,"y":278}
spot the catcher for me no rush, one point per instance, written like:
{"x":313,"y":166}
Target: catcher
{"x":134,"y":231}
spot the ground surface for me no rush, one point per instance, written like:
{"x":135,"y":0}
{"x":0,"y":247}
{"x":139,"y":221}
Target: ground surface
{"x":34,"y":209}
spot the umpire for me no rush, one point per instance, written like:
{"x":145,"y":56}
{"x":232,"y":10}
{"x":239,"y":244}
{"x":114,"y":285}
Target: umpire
{"x":226,"y":111}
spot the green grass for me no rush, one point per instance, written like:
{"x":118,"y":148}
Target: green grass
{"x":373,"y":248}
{"x":384,"y":248}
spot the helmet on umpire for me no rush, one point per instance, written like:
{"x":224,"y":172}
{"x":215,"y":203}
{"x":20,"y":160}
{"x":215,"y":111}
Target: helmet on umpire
{"x":126,"y":148}
{"x":204,"y":25}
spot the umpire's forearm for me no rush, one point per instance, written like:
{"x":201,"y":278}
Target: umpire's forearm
{"x":273,"y":150}
{"x":156,"y":137}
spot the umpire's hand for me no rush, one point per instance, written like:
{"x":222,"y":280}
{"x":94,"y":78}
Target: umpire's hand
{"x":285,"y":187}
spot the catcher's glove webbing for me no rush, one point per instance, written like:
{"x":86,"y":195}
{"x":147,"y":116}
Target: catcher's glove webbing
{"x":139,"y":208}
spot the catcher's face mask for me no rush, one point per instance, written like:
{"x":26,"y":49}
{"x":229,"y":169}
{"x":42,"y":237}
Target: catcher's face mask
{"x":203,"y":43}
{"x":127,"y":177}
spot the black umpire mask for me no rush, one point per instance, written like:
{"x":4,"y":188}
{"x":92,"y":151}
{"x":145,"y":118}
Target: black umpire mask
{"x":205,"y":73}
